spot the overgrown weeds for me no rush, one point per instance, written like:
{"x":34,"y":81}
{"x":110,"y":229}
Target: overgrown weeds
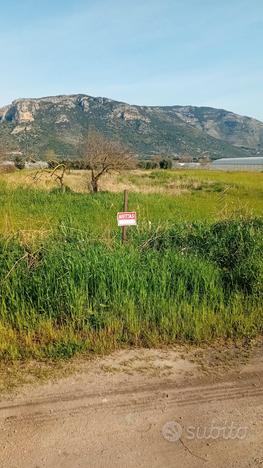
{"x":189,"y":282}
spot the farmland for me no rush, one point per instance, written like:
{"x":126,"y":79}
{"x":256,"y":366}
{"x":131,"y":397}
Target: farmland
{"x":192,"y":270}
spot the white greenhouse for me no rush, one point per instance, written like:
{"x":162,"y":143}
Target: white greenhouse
{"x":254,"y":163}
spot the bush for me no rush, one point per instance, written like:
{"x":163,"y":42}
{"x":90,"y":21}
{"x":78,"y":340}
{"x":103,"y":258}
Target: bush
{"x":235,"y":246}
{"x":148,"y":164}
{"x":19,"y":162}
{"x":165,"y":164}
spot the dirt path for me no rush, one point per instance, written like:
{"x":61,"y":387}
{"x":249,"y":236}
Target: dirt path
{"x":140,"y":408}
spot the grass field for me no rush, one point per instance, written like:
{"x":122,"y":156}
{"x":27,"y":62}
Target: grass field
{"x":191,"y":271}
{"x":157,"y":196}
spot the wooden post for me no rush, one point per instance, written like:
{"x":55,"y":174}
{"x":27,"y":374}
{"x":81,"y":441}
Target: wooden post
{"x":125,"y":208}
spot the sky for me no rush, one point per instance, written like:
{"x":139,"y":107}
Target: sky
{"x":146,"y":52}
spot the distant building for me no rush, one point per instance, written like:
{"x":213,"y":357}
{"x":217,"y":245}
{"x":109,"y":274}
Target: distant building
{"x":7,"y":163}
{"x":238,"y":164}
{"x":36,"y":165}
{"x":186,"y":165}
{"x":28,"y":164}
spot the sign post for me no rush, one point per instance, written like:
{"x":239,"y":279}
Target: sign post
{"x":125,"y":208}
{"x":126,"y":218}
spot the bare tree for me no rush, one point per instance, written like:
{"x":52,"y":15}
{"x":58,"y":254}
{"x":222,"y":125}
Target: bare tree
{"x":102,"y":155}
{"x":186,"y":158}
{"x":58,"y":172}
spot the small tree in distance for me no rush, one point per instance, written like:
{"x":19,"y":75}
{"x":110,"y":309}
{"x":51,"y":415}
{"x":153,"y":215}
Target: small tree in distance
{"x":165,"y":163}
{"x":102,"y":156}
{"x":20,"y":162}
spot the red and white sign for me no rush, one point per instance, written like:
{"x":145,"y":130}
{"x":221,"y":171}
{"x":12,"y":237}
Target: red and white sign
{"x":127,"y":218}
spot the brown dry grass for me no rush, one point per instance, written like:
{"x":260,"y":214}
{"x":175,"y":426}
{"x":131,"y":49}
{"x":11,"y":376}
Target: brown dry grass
{"x":78,"y":180}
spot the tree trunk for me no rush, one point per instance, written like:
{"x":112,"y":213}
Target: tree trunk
{"x":94,"y":185}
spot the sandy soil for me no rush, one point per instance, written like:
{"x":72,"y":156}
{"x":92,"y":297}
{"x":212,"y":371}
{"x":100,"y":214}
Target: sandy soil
{"x":141,"y":408}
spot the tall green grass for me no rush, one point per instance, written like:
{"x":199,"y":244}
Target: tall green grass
{"x":189,"y":282}
{"x":214,"y":197}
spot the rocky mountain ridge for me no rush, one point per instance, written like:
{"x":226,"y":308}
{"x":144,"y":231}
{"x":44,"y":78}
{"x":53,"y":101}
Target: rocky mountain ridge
{"x":57,"y":123}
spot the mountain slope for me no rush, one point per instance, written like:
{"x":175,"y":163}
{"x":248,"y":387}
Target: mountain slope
{"x":37,"y":125}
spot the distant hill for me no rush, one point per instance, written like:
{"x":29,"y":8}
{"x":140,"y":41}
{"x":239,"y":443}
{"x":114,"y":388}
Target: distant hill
{"x":57,"y":123}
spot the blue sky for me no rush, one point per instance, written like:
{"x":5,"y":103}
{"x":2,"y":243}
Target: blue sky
{"x":151,"y":52}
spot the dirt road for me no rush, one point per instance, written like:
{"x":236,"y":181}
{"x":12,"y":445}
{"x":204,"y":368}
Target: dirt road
{"x":140,"y":408}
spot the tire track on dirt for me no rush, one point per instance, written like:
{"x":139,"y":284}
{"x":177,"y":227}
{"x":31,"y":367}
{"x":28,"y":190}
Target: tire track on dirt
{"x":52,"y":407}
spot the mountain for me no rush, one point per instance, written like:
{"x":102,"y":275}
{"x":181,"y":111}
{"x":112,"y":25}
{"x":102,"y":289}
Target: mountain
{"x":35,"y":126}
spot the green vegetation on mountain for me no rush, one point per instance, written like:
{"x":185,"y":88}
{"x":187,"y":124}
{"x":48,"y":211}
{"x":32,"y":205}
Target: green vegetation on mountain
{"x":35,"y":126}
